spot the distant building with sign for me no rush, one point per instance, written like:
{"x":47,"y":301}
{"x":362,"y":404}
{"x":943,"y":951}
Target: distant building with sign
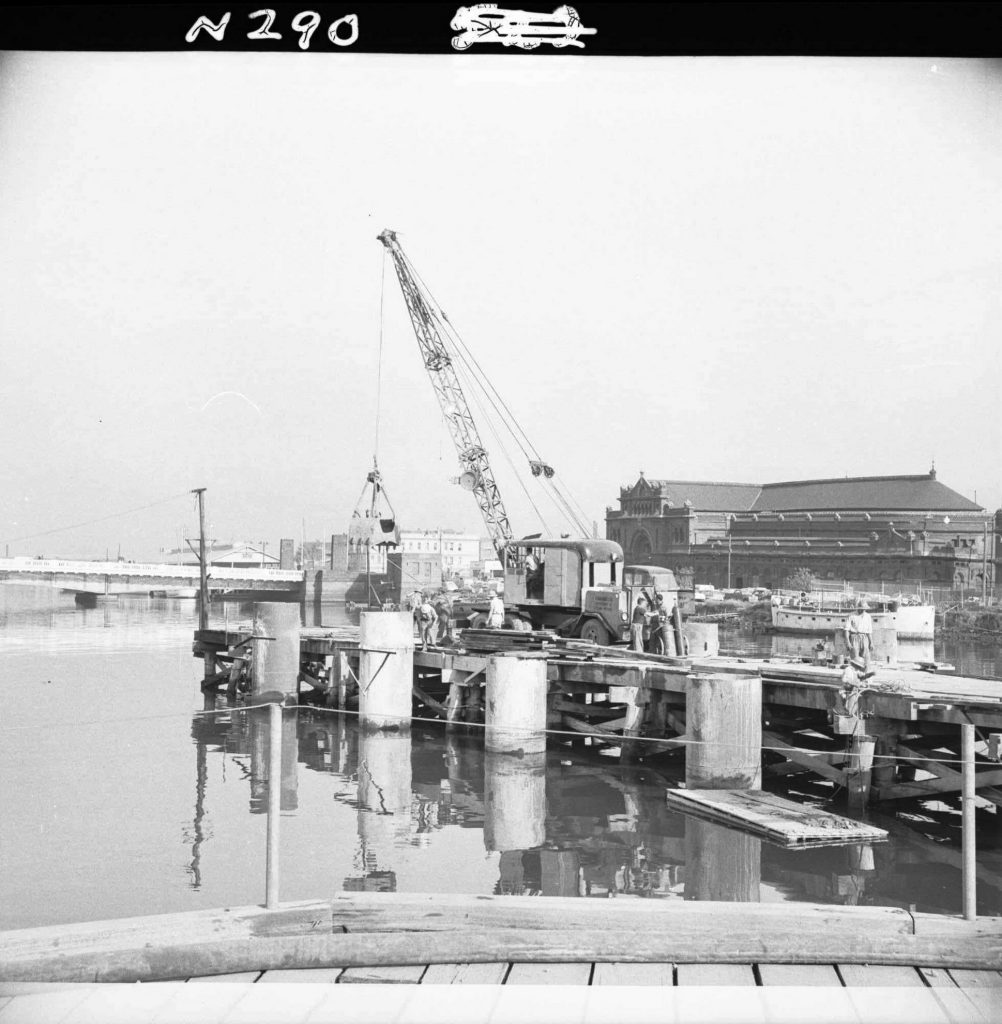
{"x":906,"y":530}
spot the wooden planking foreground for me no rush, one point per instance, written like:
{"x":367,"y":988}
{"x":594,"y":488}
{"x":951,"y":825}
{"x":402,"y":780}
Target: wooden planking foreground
{"x":360,"y":930}
{"x":772,"y":817}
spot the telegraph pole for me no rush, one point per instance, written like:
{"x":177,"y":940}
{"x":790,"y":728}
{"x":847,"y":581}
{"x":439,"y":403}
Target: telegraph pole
{"x":203,"y":592}
{"x":984,"y":568}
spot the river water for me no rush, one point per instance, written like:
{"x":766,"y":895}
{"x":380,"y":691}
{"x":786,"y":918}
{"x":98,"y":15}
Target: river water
{"x":122,"y":798}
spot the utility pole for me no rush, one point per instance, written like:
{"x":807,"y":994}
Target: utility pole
{"x":203,"y":592}
{"x":984,"y":568}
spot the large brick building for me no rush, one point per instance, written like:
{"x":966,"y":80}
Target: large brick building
{"x":895,"y":530}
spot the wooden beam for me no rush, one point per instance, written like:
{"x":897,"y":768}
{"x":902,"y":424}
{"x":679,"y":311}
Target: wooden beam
{"x":819,"y":763}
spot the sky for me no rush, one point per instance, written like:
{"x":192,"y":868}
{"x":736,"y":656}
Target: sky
{"x":739,"y":269}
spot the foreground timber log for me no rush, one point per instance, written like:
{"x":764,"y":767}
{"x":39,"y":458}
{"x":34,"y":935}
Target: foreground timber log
{"x":368,"y":929}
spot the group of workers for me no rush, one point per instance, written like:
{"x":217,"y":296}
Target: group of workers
{"x":433,"y":621}
{"x":650,"y":625}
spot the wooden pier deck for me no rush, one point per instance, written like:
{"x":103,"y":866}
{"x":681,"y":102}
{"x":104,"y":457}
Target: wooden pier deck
{"x":894,"y":736}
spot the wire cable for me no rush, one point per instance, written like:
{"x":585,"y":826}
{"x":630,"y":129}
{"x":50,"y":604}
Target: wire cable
{"x":99,"y":519}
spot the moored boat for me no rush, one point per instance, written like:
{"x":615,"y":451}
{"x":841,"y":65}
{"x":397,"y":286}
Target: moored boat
{"x":820,"y":613}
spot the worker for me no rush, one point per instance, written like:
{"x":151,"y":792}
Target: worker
{"x":640,"y":626}
{"x":495,"y":613}
{"x":427,"y":620}
{"x":533,"y":577}
{"x":444,"y":624}
{"x":858,"y":632}
{"x":659,"y":622}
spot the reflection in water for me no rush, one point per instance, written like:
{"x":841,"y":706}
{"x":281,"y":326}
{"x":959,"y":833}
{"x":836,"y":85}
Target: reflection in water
{"x":384,"y":807}
{"x":99,"y":702}
{"x":515,"y":801}
{"x":723,"y":863}
{"x":562,"y":824}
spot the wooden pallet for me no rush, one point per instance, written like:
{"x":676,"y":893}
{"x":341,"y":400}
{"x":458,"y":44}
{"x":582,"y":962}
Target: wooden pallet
{"x":771,"y":817}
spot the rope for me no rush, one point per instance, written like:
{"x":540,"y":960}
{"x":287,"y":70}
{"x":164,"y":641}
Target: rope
{"x":465,"y":358}
{"x":379,"y":364}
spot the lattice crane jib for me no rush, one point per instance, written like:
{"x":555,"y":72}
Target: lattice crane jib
{"x":476,"y":467}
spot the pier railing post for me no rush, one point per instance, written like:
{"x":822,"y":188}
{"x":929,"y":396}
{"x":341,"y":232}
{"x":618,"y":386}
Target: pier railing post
{"x":274,"y":803}
{"x":969,"y":845}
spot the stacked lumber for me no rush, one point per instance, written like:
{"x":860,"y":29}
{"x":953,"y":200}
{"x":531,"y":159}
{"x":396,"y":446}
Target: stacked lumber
{"x":509,"y":641}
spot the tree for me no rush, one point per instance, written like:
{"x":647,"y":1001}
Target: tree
{"x":799,"y":579}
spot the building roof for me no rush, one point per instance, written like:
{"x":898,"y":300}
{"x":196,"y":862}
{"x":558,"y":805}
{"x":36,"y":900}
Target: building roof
{"x":707,"y":496}
{"x":921,"y":493}
{"x":912,"y":493}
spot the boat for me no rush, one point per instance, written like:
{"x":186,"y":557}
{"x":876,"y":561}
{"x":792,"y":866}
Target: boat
{"x":821,"y":612}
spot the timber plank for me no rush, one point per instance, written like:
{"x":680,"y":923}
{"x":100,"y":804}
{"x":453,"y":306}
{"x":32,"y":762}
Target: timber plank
{"x":549,"y":974}
{"x":869,"y":975}
{"x":619,"y":973}
{"x":716,"y":974}
{"x":798,"y":974}
{"x":244,"y":977}
{"x":307,"y":975}
{"x":385,"y":975}
{"x":936,"y":977}
{"x":43,"y":1006}
{"x":466,"y":974}
{"x":898,"y":1005}
{"x":976,"y":979}
{"x":196,"y":1003}
{"x":773,"y":817}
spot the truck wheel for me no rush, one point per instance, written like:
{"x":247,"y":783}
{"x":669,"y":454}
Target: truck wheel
{"x":594,"y":630}
{"x":479,"y":621}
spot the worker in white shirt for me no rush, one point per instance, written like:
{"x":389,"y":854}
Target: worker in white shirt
{"x":859,"y":635}
{"x":495,"y":613}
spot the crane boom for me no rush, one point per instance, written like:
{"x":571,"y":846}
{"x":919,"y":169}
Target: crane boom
{"x":477,"y":473}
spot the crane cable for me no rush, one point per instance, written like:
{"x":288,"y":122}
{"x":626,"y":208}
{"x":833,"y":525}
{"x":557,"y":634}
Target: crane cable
{"x":463,"y":370}
{"x":379,"y":364}
{"x":480,"y":379}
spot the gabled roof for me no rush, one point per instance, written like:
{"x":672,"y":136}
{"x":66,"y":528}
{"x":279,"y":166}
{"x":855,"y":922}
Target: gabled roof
{"x":921,"y":493}
{"x":912,"y":493}
{"x":707,"y":496}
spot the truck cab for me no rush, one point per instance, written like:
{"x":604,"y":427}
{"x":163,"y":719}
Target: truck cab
{"x":647,"y":581}
{"x":572,"y":586}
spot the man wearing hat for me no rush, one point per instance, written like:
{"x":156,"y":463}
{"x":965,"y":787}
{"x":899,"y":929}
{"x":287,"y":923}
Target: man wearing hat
{"x":859,"y":635}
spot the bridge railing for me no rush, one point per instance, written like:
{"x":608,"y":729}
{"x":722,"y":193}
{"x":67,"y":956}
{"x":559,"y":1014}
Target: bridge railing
{"x":70,"y":567}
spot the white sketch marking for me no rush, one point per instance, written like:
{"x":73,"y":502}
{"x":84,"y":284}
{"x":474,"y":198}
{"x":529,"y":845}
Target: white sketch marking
{"x":237,"y":394}
{"x":203,"y":24}
{"x":264,"y":32}
{"x":351,"y":20}
{"x":488,"y":23}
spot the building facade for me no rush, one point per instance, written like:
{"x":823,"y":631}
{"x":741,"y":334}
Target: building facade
{"x":891,"y":530}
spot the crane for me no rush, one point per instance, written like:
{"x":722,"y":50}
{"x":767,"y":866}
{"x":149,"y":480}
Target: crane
{"x":477,"y":475}
{"x":573,"y":586}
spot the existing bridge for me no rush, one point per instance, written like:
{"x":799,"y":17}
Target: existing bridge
{"x":84,"y":577}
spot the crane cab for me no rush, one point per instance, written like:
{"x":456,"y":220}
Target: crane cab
{"x":573,"y":586}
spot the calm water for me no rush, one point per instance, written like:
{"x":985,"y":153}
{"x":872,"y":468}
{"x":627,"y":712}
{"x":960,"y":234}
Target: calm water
{"x":121,"y":798}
